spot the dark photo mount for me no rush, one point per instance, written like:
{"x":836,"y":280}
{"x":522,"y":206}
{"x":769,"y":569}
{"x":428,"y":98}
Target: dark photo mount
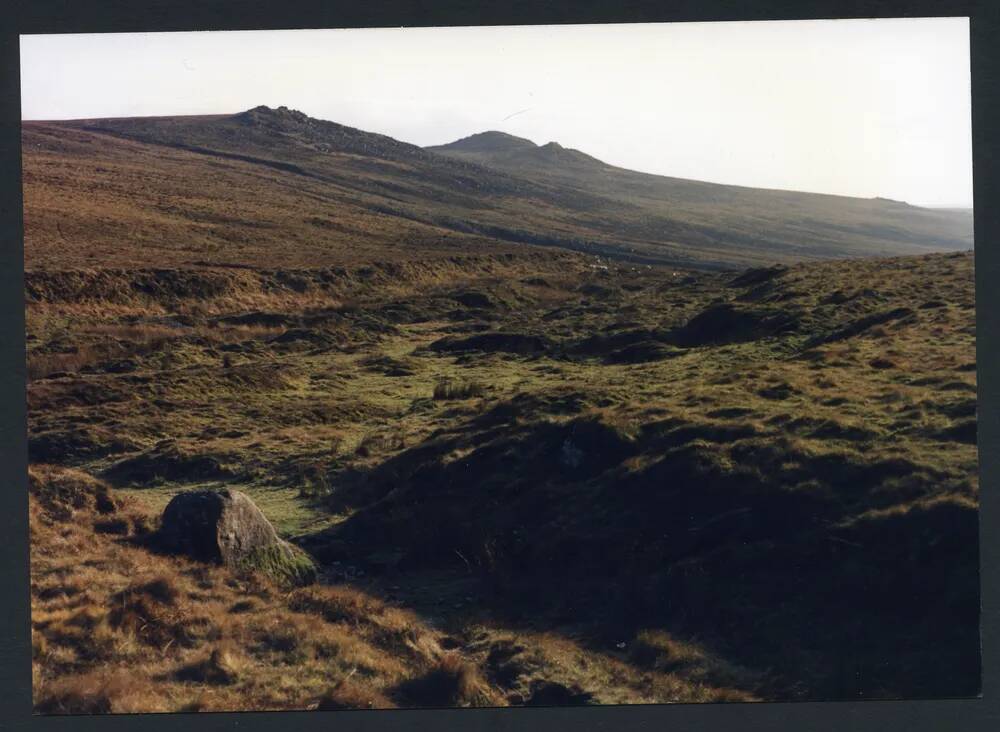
{"x":705,"y":324}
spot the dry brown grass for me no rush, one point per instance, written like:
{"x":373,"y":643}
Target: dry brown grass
{"x":658,"y":650}
{"x":119,"y":691}
{"x":116,"y":629}
{"x":349,"y":694}
{"x":96,"y":196}
{"x":712,"y":474}
{"x":452,"y":682}
{"x":222,"y":666}
{"x":41,"y":365}
{"x":62,"y":491}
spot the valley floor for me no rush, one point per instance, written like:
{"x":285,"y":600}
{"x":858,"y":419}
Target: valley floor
{"x":540,"y":479}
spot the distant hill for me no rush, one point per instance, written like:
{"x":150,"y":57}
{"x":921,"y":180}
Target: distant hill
{"x":523,"y":157}
{"x":797,"y":224}
{"x":274,"y":187}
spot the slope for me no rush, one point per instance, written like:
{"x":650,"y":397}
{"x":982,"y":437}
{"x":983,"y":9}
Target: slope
{"x":276,"y":186}
{"x":798,"y":224}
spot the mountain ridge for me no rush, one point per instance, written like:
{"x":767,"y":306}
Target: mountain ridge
{"x":486,"y":190}
{"x":460,"y":150}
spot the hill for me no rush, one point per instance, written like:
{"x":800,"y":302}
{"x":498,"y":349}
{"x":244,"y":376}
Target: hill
{"x":276,"y":186}
{"x":530,"y":476}
{"x":792,"y":225}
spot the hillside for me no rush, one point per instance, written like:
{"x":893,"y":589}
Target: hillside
{"x":117,"y":629}
{"x":529,"y":475}
{"x":793,"y":225}
{"x":275,"y":186}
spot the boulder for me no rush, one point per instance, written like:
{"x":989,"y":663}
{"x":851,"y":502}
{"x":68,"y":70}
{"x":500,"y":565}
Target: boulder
{"x":227,"y":527}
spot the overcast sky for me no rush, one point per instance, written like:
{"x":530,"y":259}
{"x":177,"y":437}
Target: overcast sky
{"x":854,"y":107}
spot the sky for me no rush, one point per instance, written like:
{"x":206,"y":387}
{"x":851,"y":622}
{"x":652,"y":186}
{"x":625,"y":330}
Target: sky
{"x":852,"y":107}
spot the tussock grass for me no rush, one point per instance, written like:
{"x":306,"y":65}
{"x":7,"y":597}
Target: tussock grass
{"x":673,"y":495}
{"x":458,"y":389}
{"x":380,"y":442}
{"x":222,"y":666}
{"x":116,"y":629}
{"x":166,"y":639}
{"x":348,"y":694}
{"x":452,"y":682}
{"x":656,"y":649}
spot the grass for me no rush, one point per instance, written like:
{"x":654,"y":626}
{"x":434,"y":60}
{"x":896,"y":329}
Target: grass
{"x":627,"y":510}
{"x":458,"y":390}
{"x":285,"y":564}
{"x":345,"y":196}
{"x":116,"y":629}
{"x":169,"y":638}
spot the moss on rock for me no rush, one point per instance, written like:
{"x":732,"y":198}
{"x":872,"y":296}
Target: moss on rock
{"x":282,"y":562}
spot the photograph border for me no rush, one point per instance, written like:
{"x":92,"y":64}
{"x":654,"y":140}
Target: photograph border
{"x":93,"y":16}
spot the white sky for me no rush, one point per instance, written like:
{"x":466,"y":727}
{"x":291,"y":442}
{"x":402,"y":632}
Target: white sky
{"x":855,"y":107}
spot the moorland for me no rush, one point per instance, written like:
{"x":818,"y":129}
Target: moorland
{"x":554,"y":432}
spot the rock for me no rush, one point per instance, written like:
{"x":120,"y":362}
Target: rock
{"x":212,"y":525}
{"x":226,"y":526}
